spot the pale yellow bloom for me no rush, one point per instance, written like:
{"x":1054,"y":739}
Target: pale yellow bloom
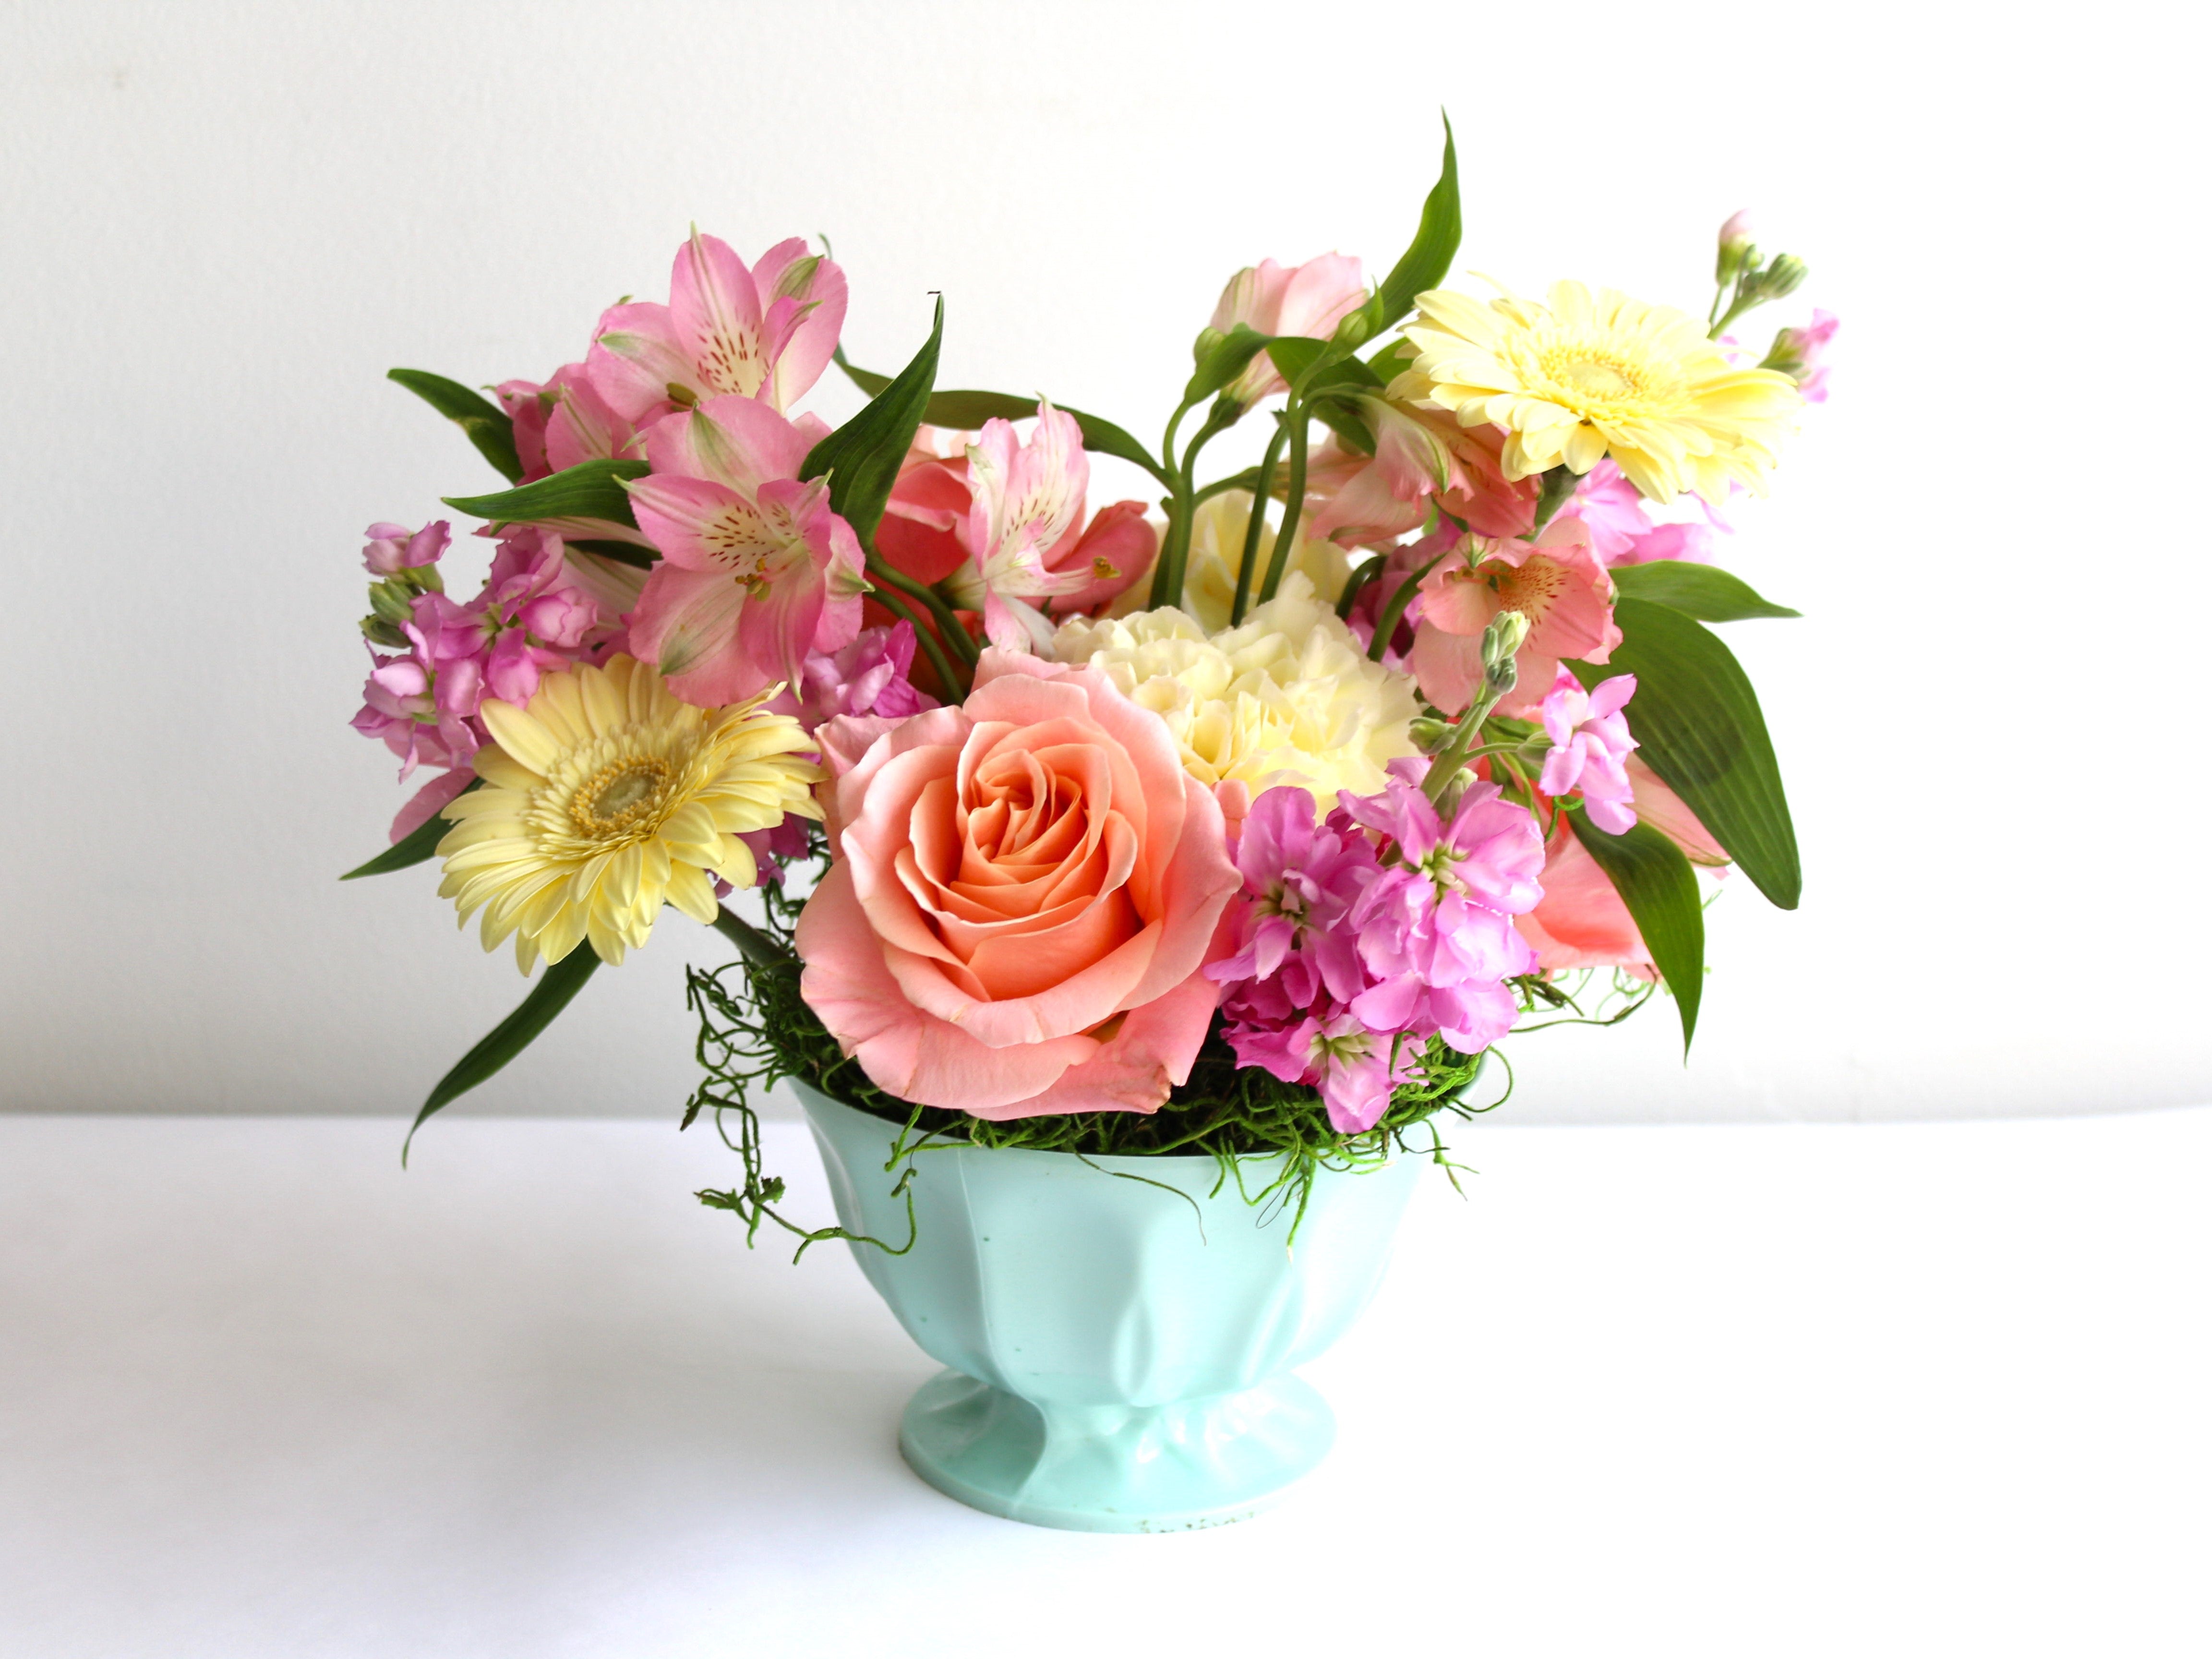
{"x":1217,"y":548}
{"x":1287,"y":698}
{"x":1598,"y":373}
{"x":607,"y":798}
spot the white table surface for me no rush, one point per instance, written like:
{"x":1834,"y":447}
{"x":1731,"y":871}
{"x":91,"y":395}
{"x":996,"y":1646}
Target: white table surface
{"x":1922,"y":1389}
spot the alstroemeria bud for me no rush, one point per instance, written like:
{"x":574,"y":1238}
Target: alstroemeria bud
{"x":1736,"y":252}
{"x":1501,"y":643}
{"x":1204,"y":345}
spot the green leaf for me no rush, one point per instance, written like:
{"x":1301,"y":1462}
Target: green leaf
{"x":557,"y":987}
{"x":590,"y":491}
{"x":1697,"y":723}
{"x":629,"y":553}
{"x":964,"y":411}
{"x":411,"y":848}
{"x":1225,"y":362}
{"x":488,"y":426}
{"x":1343,"y":418}
{"x":1656,"y":884}
{"x":862,"y":457}
{"x":1427,"y":261}
{"x":1695,"y":590}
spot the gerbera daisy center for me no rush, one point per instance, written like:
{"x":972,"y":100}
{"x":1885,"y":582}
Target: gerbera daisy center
{"x":1593,"y":377}
{"x":619,"y":796}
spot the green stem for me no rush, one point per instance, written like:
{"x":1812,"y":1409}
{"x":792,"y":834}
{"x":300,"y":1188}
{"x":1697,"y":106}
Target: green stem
{"x":1180,"y":506}
{"x":752,"y":943}
{"x":955,"y":636}
{"x":1356,"y":582}
{"x":1257,"y":523}
{"x":1386,"y":619}
{"x":1557,"y":490}
{"x":1294,"y":501}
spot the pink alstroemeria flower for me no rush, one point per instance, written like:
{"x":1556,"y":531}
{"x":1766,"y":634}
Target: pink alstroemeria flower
{"x":563,"y":422}
{"x":1555,"y":581}
{"x":757,"y":571}
{"x":1590,"y":747}
{"x":1307,"y":300}
{"x":767,"y":333}
{"x":1420,"y":455}
{"x":1028,"y":550}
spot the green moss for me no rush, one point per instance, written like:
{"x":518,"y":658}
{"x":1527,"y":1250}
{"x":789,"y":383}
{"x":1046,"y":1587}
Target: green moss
{"x":1271,"y":1138}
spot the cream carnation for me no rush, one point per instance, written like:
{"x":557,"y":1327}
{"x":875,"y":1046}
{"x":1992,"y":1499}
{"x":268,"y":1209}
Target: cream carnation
{"x":1286,"y":698}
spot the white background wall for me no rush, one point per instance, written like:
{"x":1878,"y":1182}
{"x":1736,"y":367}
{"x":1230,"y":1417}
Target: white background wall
{"x":222,"y":223}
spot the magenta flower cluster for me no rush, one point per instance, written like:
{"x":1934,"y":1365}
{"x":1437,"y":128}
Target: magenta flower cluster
{"x":1360,"y":938}
{"x":422,"y":703}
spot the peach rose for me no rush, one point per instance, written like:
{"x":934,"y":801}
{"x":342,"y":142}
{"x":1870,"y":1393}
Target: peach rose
{"x":1025,"y":891}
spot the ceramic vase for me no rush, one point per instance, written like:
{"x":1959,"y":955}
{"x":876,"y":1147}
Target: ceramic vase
{"x":1119,"y":1351}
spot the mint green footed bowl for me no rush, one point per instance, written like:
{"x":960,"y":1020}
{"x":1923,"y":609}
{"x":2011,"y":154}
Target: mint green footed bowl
{"x":1118,"y":1360}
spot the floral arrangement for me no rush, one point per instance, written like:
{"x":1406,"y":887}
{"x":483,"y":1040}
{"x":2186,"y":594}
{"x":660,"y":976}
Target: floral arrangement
{"x":1253,"y":828}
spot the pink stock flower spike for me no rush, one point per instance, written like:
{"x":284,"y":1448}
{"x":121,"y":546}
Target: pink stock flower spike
{"x":393,"y":547}
{"x":1590,"y":746}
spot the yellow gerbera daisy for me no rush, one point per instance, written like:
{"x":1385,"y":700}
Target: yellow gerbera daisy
{"x":1597,"y":374}
{"x":606,"y":798}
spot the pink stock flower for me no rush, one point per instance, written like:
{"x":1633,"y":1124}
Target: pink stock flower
{"x":1028,"y":550}
{"x":1301,"y":881}
{"x":767,"y":333}
{"x":1622,"y":531}
{"x":529,"y":618}
{"x":1307,"y":300}
{"x":1555,"y":581}
{"x":1436,"y":928}
{"x":393,"y":547}
{"x":869,"y":676}
{"x":1025,"y":889}
{"x":1422,"y":455}
{"x":1344,"y":959}
{"x":757,"y":571}
{"x":1351,"y":1066}
{"x":1802,"y":354}
{"x":1590,"y":747}
{"x":1580,"y":923}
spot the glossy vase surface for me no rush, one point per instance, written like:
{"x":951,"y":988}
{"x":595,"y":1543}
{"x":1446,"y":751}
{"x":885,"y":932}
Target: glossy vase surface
{"x":1119,"y":1356}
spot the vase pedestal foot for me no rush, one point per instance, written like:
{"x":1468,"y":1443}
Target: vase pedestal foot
{"x":1168,"y":1467}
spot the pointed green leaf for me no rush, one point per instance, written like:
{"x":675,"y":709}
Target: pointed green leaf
{"x":1656,"y":884}
{"x":1699,"y":726}
{"x":1427,"y":261}
{"x":964,"y":411}
{"x":1695,"y":590}
{"x":555,"y":989}
{"x":411,"y":848}
{"x":486,"y":425}
{"x":589,"y":492}
{"x":863,"y":456}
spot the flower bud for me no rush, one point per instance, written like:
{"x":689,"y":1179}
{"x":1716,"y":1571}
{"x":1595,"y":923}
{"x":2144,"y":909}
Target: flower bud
{"x":378,"y":631}
{"x":1501,"y":642}
{"x":1204,"y":346}
{"x":1783,"y":276}
{"x":1429,"y":735}
{"x":392,"y":601}
{"x":1358,"y":325}
{"x":1736,"y":252}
